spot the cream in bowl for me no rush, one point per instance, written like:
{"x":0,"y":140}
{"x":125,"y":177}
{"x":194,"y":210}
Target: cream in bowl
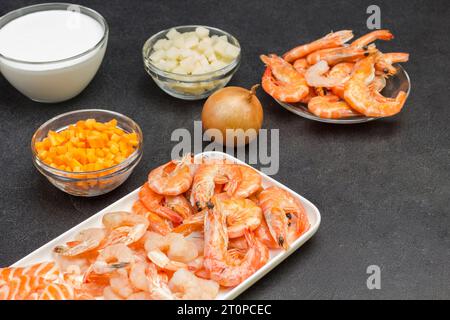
{"x":50,"y":52}
{"x":191,"y":62}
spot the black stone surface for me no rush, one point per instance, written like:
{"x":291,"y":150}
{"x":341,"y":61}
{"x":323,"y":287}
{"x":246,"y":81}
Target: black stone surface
{"x":383,"y":188}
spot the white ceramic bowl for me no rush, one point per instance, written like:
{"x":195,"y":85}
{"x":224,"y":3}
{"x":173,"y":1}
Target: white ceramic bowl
{"x":59,"y":80}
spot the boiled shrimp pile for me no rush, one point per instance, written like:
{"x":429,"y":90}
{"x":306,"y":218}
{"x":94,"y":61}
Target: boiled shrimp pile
{"x":336,"y":79}
{"x":196,"y":228}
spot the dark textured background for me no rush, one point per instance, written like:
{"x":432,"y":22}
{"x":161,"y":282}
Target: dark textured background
{"x":383,"y":188}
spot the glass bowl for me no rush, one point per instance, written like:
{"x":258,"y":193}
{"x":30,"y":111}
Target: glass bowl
{"x":399,"y":82}
{"x":89,"y":183}
{"x":190,"y":87}
{"x":56,"y":80}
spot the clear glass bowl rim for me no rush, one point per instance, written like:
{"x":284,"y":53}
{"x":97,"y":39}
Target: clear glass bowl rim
{"x":54,"y":6}
{"x":81,"y":176}
{"x":196,"y":77}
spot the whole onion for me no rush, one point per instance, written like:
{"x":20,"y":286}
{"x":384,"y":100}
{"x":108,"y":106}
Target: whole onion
{"x":233,"y":108}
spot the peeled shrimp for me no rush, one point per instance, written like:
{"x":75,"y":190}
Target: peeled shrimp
{"x":284,"y":214}
{"x":124,"y":227}
{"x":170,"y":252}
{"x":365,"y":99}
{"x":221,"y":267}
{"x":158,"y":286}
{"x":185,"y":285}
{"x":206,"y":178}
{"x":84,"y":241}
{"x":172,"y":178}
{"x":113,"y":257}
{"x":315,"y":76}
{"x":331,"y":40}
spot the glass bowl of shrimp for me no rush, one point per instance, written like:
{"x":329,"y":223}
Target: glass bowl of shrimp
{"x":91,"y":179}
{"x":332,"y":81}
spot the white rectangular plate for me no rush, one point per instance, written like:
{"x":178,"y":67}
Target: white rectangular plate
{"x":44,"y":253}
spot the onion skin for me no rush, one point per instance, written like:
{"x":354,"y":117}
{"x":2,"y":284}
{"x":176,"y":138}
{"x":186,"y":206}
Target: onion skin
{"x":233,"y":108}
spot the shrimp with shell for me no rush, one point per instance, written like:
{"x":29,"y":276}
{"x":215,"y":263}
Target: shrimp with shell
{"x":223,"y":267}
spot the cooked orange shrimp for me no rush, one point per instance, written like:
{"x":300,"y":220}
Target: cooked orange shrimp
{"x":370,"y":37}
{"x":315,"y":76}
{"x":45,"y":270}
{"x":341,"y":70}
{"x":365,"y":99}
{"x":330,"y":107}
{"x":172,"y":178}
{"x":220,"y":266}
{"x":85,"y":240}
{"x":156,"y":203}
{"x":283,"y":81}
{"x":334,"y":56}
{"x":180,"y":205}
{"x":262,"y":233}
{"x":301,"y":65}
{"x":113,"y":257}
{"x":282,"y":70}
{"x":124,"y":227}
{"x":156,"y":223}
{"x":282,"y":91}
{"x":251,"y":182}
{"x":206,"y":178}
{"x":57,"y":291}
{"x":331,"y":40}
{"x":241,"y":214}
{"x":378,"y":83}
{"x":384,"y":63}
{"x":284,"y":214}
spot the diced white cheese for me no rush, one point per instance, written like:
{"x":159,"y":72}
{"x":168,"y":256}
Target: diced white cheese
{"x":173,"y":53}
{"x":166,"y":65}
{"x":231,"y":51}
{"x":172,"y":34}
{"x":188,"y":64}
{"x":204,"y":44}
{"x":157,"y":55}
{"x":202,"y":32}
{"x":193,"y":52}
{"x":179,"y":42}
{"x":223,"y":38}
{"x":180,"y":70}
{"x":217,"y":65}
{"x":220,"y":47}
{"x":190,"y":42}
{"x":160,"y":44}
